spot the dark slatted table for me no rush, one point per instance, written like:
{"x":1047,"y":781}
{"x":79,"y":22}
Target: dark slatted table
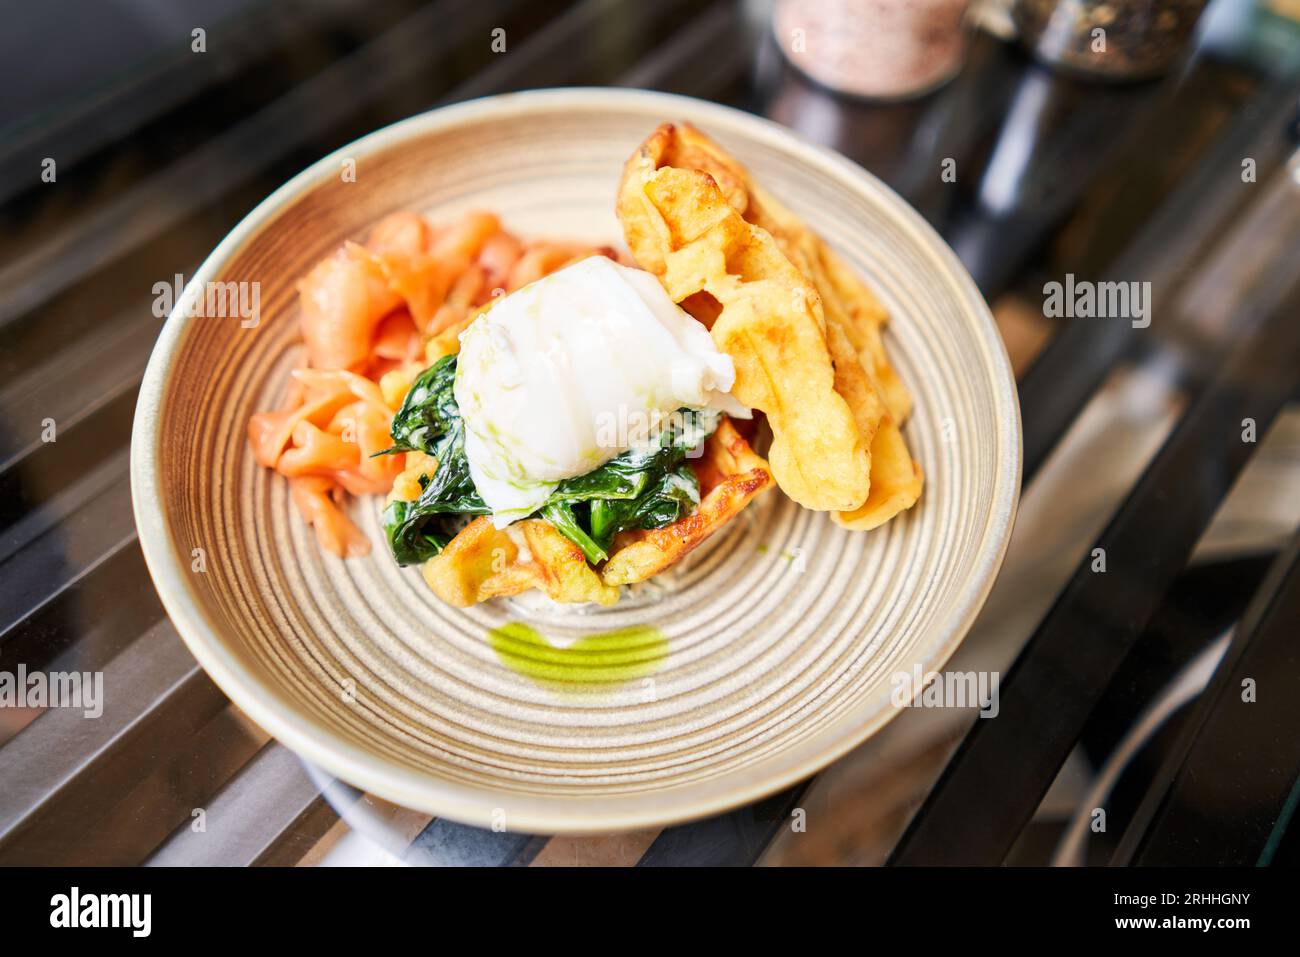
{"x":1133,"y":437}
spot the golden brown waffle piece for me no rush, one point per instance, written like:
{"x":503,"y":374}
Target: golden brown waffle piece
{"x":786,"y":308}
{"x":730,"y":474}
{"x":761,"y":311}
{"x":484,"y":562}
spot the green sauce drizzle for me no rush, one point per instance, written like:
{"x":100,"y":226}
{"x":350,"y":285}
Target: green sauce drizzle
{"x":608,"y":657}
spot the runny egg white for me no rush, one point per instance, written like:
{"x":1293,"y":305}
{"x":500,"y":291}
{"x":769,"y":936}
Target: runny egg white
{"x":564,"y":374}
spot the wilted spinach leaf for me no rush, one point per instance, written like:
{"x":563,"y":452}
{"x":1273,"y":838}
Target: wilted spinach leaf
{"x":415,"y":537}
{"x":429,"y":410}
{"x":429,"y":421}
{"x":645,"y":487}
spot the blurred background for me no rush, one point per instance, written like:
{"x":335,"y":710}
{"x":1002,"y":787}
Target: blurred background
{"x":1123,"y":141}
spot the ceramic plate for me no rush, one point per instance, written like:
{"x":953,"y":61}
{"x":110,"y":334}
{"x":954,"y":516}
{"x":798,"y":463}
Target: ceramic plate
{"x":766,"y":657}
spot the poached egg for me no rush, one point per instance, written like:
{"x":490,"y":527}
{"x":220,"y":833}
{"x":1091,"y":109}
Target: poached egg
{"x":569,"y":371}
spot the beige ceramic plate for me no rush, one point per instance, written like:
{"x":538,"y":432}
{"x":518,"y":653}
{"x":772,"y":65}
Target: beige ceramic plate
{"x":768,"y":656}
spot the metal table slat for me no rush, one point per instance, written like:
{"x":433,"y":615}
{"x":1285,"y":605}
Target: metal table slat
{"x":735,"y":839}
{"x":701,"y":58}
{"x":448,"y":844}
{"x":100,"y":525}
{"x":578,"y":47}
{"x":130,"y":102}
{"x":302,"y":114}
{"x":60,"y":744}
{"x":245,"y":819}
{"x":1055,"y":388}
{"x":76,"y":383}
{"x":1004,"y":767}
{"x":128,"y":799}
{"x":91,"y":619}
{"x":1180,"y":821}
{"x":294,"y":844}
